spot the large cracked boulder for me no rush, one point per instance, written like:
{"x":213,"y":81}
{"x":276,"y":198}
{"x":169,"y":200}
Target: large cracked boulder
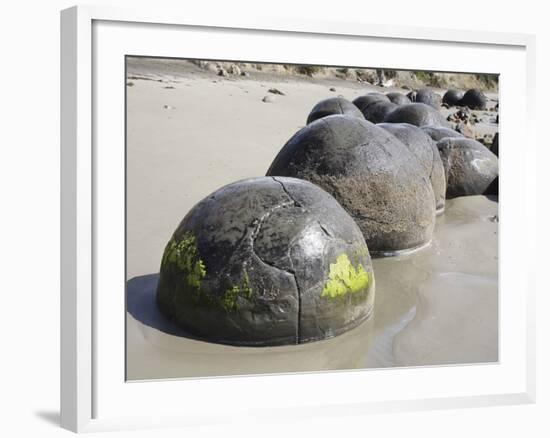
{"x":439,"y":132}
{"x":374,"y":176}
{"x":452,"y":97}
{"x":470,"y":167}
{"x":398,"y":98}
{"x":474,"y":99}
{"x":418,"y":114}
{"x":425,"y":150}
{"x":331,"y":106}
{"x":428,"y":97}
{"x":377,"y":111}
{"x":266,"y":261}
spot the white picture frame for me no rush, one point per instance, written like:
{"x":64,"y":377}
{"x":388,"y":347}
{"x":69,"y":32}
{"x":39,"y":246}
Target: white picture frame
{"x":94,"y":397}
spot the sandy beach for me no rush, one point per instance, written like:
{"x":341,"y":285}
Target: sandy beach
{"x":190,"y":132}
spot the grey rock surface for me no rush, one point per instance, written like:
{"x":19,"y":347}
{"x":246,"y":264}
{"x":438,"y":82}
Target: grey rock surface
{"x":376,"y":112}
{"x":418,"y":114}
{"x":439,"y":132}
{"x":470,"y":167}
{"x":474,"y":99}
{"x":428,"y":97}
{"x":425,"y":150}
{"x":494,"y":145}
{"x":398,"y":98}
{"x":331,"y":106}
{"x":453,"y":97}
{"x":266,"y":261}
{"x":374,"y":176}
{"x":362,"y":102}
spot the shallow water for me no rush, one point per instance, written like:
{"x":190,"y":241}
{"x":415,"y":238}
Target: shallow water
{"x":435,"y":306}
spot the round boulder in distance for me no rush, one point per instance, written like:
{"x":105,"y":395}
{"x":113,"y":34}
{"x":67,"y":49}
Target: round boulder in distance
{"x":439,"y":132}
{"x":428,"y":97}
{"x":425,"y":150}
{"x":376,"y":112}
{"x":474,"y":99}
{"x":470,"y":167}
{"x":331,"y":106}
{"x":362,"y":102}
{"x":398,"y":98}
{"x":377,"y":180}
{"x":452,"y":97}
{"x":418,"y":114}
{"x":266,"y":261}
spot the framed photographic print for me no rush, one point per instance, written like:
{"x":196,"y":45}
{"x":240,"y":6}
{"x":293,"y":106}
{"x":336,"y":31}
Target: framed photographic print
{"x":291,"y":217}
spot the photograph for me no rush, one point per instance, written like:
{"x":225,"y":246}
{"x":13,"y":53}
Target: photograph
{"x":291,"y":218}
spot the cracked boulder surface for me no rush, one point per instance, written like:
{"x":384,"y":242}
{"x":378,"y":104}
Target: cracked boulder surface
{"x":418,"y":114}
{"x":267,"y":261}
{"x":470,"y":167}
{"x":377,"y":180}
{"x":331,"y":106}
{"x":438,"y":132}
{"x":425,"y":150}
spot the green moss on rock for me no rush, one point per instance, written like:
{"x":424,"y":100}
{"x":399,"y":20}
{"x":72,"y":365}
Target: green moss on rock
{"x":231,"y":295}
{"x":344,"y":278}
{"x":184,"y":254}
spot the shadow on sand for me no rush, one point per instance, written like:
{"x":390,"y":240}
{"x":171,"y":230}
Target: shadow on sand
{"x":141,"y":304}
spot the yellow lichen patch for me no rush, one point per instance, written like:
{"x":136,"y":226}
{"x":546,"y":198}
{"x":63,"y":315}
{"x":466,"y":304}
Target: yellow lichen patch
{"x":229,"y":300}
{"x":184,"y":254}
{"x":344,"y":278}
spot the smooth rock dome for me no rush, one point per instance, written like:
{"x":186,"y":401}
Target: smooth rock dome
{"x":374,"y":176}
{"x":377,"y":111}
{"x":439,"y":132}
{"x":470,"y":167}
{"x":418,"y":114}
{"x":331,"y":106}
{"x":398,"y":98}
{"x":474,"y":99}
{"x":428,"y":97}
{"x":425,"y":150}
{"x":266,"y":261}
{"x":452,"y":97}
{"x":362,"y":102}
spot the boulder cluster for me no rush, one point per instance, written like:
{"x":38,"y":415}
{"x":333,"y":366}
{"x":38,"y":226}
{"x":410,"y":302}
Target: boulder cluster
{"x":286,"y":258}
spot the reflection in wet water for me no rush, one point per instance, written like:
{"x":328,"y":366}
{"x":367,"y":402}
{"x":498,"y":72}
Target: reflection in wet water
{"x":435,"y":306}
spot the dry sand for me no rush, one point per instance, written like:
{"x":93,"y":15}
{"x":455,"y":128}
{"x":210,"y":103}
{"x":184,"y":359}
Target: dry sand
{"x":191,"y":132}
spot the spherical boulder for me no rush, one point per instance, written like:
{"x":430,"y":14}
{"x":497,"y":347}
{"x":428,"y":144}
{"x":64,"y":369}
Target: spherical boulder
{"x":376,"y":112}
{"x":469,"y":166}
{"x":266,"y":261}
{"x":398,"y":98}
{"x":439,"y":132}
{"x":362,"y":102}
{"x":333,"y":105}
{"x":425,"y":150}
{"x":428,"y":97}
{"x":374,"y":176}
{"x":418,"y":114}
{"x":452,"y":97}
{"x":474,"y":99}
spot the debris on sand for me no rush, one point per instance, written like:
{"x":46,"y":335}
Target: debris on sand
{"x":276,"y":91}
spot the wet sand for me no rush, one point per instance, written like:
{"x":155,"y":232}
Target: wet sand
{"x":436,"y":306}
